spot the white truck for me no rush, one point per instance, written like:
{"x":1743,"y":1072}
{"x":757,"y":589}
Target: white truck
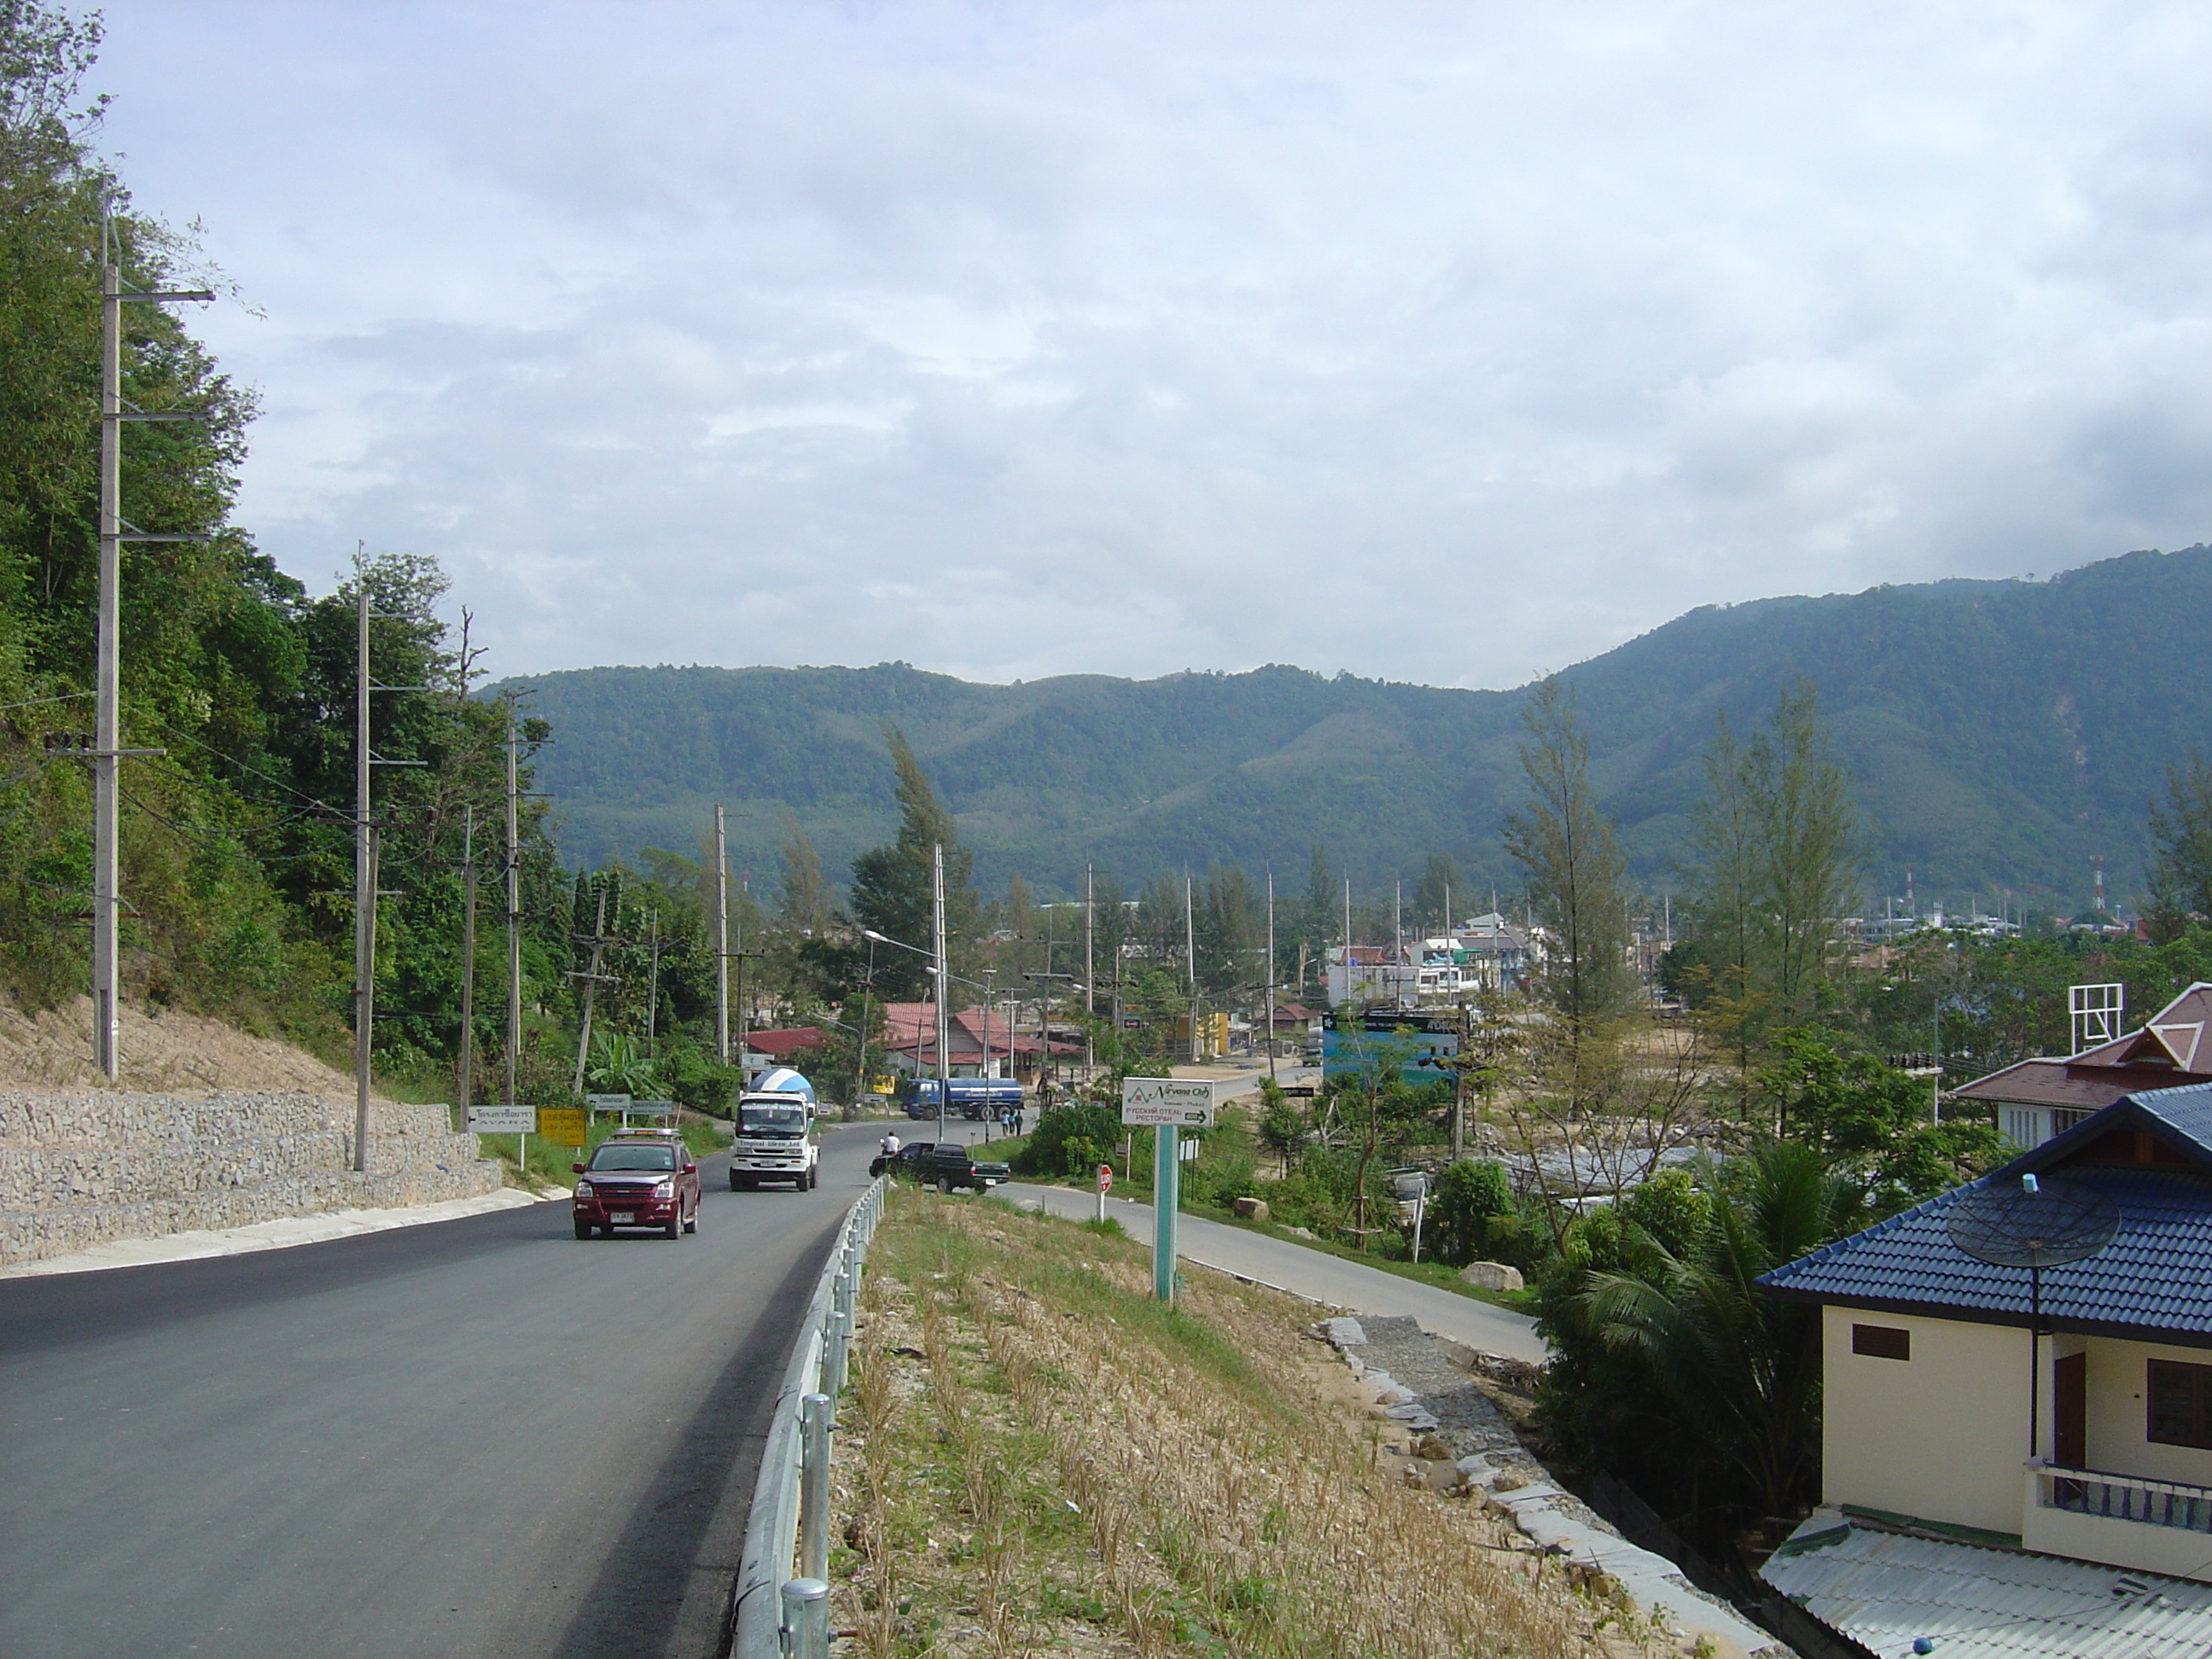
{"x":775,"y":1134}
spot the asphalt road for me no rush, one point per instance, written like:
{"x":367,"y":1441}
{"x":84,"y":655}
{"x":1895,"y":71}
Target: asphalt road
{"x":474,"y":1437}
{"x":1314,"y":1274}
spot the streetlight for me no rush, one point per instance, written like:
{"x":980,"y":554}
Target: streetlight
{"x":941,"y":990}
{"x":867,"y":990}
{"x":944,"y":1067}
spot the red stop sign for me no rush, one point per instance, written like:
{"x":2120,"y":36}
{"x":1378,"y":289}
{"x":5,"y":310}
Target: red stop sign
{"x":1105,"y":1177}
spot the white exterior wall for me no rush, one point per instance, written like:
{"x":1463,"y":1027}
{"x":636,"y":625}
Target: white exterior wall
{"x":1943,"y":1436}
{"x":2116,"y":1373}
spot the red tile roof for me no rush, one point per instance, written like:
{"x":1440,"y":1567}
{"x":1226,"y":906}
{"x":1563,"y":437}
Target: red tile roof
{"x":2170,"y":1049}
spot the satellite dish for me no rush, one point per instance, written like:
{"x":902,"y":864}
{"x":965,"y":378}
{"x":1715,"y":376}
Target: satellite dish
{"x":2035,"y":1224}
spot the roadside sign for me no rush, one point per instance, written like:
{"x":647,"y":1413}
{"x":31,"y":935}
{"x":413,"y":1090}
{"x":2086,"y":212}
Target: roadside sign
{"x":1105,"y":1177}
{"x":606,"y":1103}
{"x":561,"y":1125}
{"x":1169,"y":1102}
{"x":502,"y":1120}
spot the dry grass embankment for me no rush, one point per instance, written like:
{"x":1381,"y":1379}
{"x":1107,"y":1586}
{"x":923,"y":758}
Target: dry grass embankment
{"x":167,"y":1053}
{"x":1035,"y":1457}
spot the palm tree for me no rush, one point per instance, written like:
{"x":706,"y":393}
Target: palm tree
{"x":1738,"y":1372}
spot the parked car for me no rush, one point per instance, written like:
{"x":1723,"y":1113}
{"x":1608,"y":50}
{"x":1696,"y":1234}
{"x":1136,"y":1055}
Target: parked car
{"x":638,"y":1180}
{"x":943,"y":1164}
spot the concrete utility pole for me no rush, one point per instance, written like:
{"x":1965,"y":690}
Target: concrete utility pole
{"x":1459,"y":1084}
{"x":107,"y":668}
{"x":944,"y":978}
{"x":364,"y":882}
{"x":513,"y":912}
{"x":1271,"y":975}
{"x":591,"y":977}
{"x":653,"y":985}
{"x":867,"y":1010}
{"x":1190,"y":962}
{"x":721,"y":940}
{"x":1089,"y":1046}
{"x":738,"y":956}
{"x":464,"y":1081}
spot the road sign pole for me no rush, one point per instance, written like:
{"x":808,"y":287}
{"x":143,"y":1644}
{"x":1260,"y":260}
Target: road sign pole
{"x":1167,"y":1169}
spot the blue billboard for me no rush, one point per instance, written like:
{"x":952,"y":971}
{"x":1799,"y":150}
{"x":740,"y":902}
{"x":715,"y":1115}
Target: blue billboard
{"x":1424,"y":1045}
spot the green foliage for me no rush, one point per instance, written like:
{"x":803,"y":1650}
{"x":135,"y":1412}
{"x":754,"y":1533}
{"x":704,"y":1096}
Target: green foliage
{"x":619,"y":1066}
{"x":235,"y":847}
{"x":1674,"y":1210}
{"x":1673,"y":1371}
{"x":1996,"y":735}
{"x":1071,"y":1139}
{"x":1873,"y":1121}
{"x":696,"y":1080}
{"x":2180,"y":880}
{"x":1469,"y":1194}
{"x":1572,"y":867}
{"x":1777,"y":859}
{"x":892,"y":885}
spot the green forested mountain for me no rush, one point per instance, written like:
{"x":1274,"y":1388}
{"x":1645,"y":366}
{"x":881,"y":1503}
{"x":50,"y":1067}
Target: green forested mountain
{"x":2000,"y":734}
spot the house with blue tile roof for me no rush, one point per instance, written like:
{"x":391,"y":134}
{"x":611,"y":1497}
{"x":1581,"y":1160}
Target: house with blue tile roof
{"x":1938,"y":1429}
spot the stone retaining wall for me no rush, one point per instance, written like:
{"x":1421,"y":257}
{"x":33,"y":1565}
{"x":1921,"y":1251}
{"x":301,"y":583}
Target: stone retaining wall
{"x":82,"y":1168}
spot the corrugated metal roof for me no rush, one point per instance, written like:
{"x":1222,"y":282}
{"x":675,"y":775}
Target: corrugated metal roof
{"x":2154,"y":1277}
{"x":1884,"y":1589}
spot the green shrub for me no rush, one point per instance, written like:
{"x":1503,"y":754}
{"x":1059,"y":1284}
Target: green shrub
{"x":1068,"y":1140}
{"x":1469,"y":1195}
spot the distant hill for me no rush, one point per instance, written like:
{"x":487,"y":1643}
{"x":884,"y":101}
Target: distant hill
{"x":2000,"y":733}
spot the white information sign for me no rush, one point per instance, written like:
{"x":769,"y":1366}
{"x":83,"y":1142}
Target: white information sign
{"x":502,"y":1120}
{"x":1181,"y":1102}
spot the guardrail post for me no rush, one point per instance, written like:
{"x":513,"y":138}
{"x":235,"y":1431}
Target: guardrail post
{"x":840,"y":1336}
{"x":806,"y":1618}
{"x":815,"y":1411}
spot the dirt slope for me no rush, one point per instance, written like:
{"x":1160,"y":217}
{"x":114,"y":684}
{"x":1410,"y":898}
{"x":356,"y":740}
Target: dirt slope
{"x":166,"y":1053}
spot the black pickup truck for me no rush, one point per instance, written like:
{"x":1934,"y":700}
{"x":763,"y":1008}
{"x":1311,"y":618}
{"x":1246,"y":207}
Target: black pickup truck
{"x":943,"y":1164}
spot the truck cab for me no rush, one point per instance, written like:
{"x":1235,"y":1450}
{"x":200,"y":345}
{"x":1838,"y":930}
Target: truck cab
{"x":775,"y":1139}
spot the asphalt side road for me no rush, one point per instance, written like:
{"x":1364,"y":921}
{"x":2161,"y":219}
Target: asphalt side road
{"x":1314,"y":1274}
{"x":478,"y":1436}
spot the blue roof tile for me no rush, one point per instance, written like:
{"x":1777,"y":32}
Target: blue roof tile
{"x":2155,"y":1278}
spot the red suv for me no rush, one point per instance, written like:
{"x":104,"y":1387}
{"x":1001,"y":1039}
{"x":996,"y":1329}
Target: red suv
{"x":638,"y":1181}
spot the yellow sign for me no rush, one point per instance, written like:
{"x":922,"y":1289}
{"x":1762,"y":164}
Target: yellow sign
{"x":561,"y":1125}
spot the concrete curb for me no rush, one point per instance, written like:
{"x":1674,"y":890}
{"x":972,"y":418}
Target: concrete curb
{"x":278,"y":1235}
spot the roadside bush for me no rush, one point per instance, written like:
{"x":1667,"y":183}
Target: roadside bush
{"x":1069,"y":1141}
{"x":695,"y":1078}
{"x":1301,"y":1200}
{"x":1469,"y":1194}
{"x":1218,"y":1182}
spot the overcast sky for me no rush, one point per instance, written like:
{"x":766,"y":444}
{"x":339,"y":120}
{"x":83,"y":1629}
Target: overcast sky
{"x":1445,"y":343}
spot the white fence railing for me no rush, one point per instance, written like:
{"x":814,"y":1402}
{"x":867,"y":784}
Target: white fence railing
{"x":778,"y":1611}
{"x":2126,"y":1497}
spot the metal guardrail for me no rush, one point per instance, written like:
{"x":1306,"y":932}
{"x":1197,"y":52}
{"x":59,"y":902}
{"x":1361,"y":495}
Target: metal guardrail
{"x":775,"y":1614}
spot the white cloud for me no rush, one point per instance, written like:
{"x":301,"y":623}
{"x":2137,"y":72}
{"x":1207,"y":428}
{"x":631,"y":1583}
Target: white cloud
{"x":1443,"y":341}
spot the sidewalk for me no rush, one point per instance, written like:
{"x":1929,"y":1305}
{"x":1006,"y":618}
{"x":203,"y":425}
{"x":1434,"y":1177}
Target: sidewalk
{"x":276,"y":1235}
{"x":1310,"y":1273}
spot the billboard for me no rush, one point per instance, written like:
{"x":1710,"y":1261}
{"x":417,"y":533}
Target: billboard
{"x":1424,"y":1044}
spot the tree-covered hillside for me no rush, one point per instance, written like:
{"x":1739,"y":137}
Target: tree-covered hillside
{"x":1998,"y":735}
